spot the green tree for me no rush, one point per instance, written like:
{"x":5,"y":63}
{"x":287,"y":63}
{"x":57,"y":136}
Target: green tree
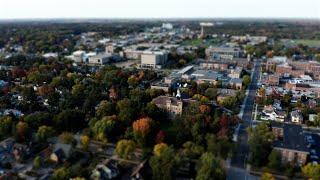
{"x":70,"y":120}
{"x":37,"y":119}
{"x":267,"y":176}
{"x":192,"y":150}
{"x":164,"y":165}
{"x":37,"y":162}
{"x":125,"y":148}
{"x":66,"y":138}
{"x":311,"y":171}
{"x":260,"y":141}
{"x":274,"y":160}
{"x":246,"y":80}
{"x":133,"y":81}
{"x":44,"y":132}
{"x":219,"y":147}
{"x":211,"y":93}
{"x":105,"y":108}
{"x":104,"y":127}
{"x":126,"y":111}
{"x":209,"y":168}
{"x":61,"y":173}
{"x":5,"y":126}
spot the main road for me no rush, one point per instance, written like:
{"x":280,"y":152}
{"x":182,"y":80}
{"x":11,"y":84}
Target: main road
{"x":237,"y":169}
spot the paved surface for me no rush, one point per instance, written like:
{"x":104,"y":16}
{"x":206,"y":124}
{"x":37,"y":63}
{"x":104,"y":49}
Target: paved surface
{"x":237,"y":170}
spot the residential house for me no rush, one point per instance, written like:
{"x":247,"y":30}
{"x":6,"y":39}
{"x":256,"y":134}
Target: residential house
{"x":236,"y":83}
{"x":296,"y":116}
{"x":61,"y":152}
{"x":271,"y":114}
{"x":235,"y":73}
{"x":106,"y":170}
{"x":273,"y":80}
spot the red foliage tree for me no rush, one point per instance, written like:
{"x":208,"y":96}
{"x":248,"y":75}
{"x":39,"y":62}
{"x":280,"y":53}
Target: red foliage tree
{"x":160,"y":138}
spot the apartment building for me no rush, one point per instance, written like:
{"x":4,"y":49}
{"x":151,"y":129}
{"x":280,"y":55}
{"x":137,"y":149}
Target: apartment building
{"x":153,"y":59}
{"x":290,"y":142}
{"x":220,"y":53}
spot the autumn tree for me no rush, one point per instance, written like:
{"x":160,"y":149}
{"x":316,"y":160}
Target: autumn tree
{"x":159,"y":148}
{"x":311,"y":171}
{"x":160,"y":137}
{"x":85,"y":141}
{"x":141,"y":129}
{"x":22,"y":130}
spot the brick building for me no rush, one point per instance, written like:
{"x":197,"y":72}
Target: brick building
{"x":290,"y":142}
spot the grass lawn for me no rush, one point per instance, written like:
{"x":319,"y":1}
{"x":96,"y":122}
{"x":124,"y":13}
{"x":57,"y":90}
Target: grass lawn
{"x":307,"y":42}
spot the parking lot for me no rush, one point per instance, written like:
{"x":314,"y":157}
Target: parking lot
{"x":314,"y":147}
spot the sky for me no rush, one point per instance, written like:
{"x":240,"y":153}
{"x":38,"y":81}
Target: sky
{"x":23,"y":9}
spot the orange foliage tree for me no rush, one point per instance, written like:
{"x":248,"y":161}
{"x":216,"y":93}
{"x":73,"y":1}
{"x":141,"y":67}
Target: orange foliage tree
{"x":141,"y":129}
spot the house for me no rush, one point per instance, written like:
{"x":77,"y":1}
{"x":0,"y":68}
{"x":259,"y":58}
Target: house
{"x":296,"y":116}
{"x":61,"y":152}
{"x":277,"y":105}
{"x":106,"y":170}
{"x":312,"y":117}
{"x":235,"y":73}
{"x":271,"y":114}
{"x":224,"y":93}
{"x":170,"y":104}
{"x":290,"y":142}
{"x":273,"y":80}
{"x":236,"y":82}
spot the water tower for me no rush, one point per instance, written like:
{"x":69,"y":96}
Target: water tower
{"x":203,"y":26}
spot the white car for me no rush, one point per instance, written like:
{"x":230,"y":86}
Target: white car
{"x":314,"y":157}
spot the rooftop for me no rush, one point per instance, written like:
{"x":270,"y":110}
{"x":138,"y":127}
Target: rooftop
{"x":293,"y":137}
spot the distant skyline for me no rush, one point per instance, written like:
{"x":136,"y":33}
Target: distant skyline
{"x":18,"y":9}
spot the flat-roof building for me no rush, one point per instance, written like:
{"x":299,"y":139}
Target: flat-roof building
{"x":153,"y":59}
{"x":219,"y":53}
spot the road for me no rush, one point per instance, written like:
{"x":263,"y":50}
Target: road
{"x":237,"y":169}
